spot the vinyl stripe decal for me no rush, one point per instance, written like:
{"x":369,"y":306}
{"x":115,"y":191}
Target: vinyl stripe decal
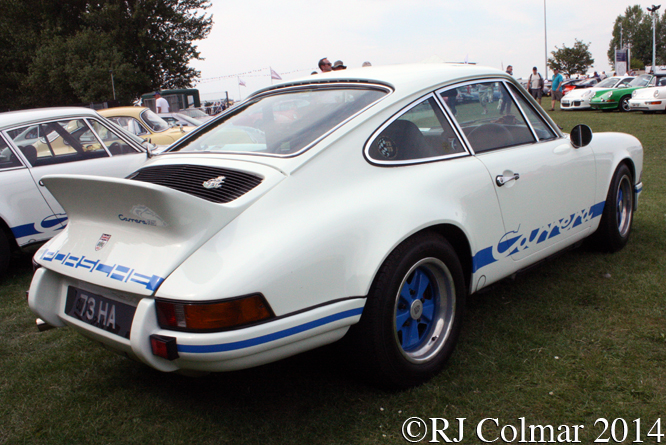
{"x":204,"y":349}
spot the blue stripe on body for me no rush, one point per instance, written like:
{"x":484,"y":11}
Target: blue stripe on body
{"x":24,"y":230}
{"x":204,"y":349}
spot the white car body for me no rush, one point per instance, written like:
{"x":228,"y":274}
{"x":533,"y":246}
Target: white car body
{"x":579,"y":98}
{"x":649,"y":99}
{"x":329,"y":216}
{"x":29,"y":214}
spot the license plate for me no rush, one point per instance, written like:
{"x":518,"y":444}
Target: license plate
{"x":100,"y":312}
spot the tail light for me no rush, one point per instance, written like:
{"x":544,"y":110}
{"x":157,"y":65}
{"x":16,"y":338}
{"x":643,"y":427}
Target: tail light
{"x":212,"y":316}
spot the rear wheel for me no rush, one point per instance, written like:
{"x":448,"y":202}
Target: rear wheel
{"x":624,"y":104}
{"x":413,"y":315}
{"x":617,"y":217}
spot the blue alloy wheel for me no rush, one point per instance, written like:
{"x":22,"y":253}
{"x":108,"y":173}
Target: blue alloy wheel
{"x":413,"y":314}
{"x":617,"y":217}
{"x":424,"y":310}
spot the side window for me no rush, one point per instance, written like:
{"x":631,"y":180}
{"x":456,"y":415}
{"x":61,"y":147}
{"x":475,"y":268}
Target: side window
{"x":58,"y":142}
{"x":420,"y":133}
{"x":487,"y":115}
{"x":112,"y":141}
{"x":130,"y":124}
{"x":7,"y":157}
{"x":543,"y":131}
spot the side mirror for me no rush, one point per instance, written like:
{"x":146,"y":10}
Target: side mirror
{"x":580,"y":136}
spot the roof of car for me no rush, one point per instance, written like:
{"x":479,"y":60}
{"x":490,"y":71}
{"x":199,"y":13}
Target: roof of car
{"x":406,"y":78}
{"x":13,"y":118}
{"x":122,"y":111}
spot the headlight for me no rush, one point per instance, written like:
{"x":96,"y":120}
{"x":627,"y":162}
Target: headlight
{"x":633,"y":94}
{"x":656,"y":93}
{"x":588,"y":94}
{"x":608,"y":95}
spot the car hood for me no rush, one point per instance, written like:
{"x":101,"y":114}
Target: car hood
{"x":130,"y":234}
{"x":648,"y":93}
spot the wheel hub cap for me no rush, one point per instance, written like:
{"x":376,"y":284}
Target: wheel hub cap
{"x":416,"y":309}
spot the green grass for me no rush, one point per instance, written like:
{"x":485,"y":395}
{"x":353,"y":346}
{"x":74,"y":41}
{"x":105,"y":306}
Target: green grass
{"x":579,"y":338}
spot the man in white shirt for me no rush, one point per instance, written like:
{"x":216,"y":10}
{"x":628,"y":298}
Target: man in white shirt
{"x":161,"y":104}
{"x":535,"y":85}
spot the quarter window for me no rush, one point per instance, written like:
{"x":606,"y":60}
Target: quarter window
{"x":420,"y":133}
{"x":488,"y":116}
{"x":7,"y":157}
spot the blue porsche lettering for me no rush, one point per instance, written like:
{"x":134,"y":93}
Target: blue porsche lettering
{"x":113,"y":271}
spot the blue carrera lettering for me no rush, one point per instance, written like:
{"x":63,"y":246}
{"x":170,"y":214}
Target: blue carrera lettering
{"x":517,"y":241}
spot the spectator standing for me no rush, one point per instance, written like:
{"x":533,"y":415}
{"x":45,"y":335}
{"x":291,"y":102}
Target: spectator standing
{"x":161,"y":104}
{"x":535,"y":85}
{"x":338,"y":65}
{"x":325,"y":66}
{"x":556,"y":89}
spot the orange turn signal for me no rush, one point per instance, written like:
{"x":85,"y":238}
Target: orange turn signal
{"x":212,"y":316}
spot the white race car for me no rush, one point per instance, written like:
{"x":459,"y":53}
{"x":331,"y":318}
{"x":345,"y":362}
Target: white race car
{"x":372,"y":212}
{"x":34,"y":143}
{"x":579,"y":98}
{"x":649,"y":99}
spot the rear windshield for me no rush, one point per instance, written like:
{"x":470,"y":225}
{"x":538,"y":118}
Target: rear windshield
{"x":281,"y":124}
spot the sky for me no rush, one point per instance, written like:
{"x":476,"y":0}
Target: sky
{"x":290,"y":36}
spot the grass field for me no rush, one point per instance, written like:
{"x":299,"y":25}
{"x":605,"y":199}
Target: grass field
{"x":581,"y":338}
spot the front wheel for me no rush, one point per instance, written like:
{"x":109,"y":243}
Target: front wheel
{"x":413,"y":315}
{"x":617,"y":217}
{"x":624,"y":104}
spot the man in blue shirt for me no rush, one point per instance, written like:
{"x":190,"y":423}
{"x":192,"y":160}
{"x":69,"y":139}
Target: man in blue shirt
{"x":556,"y":89}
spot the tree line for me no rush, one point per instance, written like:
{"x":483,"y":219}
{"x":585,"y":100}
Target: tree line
{"x":632,"y":29}
{"x":58,"y":53}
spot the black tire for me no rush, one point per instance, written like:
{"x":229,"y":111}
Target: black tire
{"x":617,"y":217}
{"x":412,"y":319}
{"x":5,"y":252}
{"x":624,"y":104}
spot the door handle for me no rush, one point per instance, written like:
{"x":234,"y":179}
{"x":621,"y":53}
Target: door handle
{"x":501,"y":180}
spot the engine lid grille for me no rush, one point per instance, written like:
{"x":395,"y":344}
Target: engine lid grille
{"x":219,"y":185}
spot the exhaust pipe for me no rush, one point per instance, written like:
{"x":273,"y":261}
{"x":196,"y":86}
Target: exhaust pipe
{"x":43,"y":326}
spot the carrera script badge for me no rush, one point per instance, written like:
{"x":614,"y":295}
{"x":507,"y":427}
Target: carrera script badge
{"x":214,"y":183}
{"x":102,"y":241}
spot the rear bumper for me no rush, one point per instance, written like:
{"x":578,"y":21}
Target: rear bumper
{"x":218,"y":351}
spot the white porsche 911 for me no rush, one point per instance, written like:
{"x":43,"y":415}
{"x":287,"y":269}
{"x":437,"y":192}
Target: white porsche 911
{"x":649,"y":100}
{"x":366,"y":203}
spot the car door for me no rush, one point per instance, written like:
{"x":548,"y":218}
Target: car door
{"x":84,"y":147}
{"x":22,"y":206}
{"x":544,"y":185}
